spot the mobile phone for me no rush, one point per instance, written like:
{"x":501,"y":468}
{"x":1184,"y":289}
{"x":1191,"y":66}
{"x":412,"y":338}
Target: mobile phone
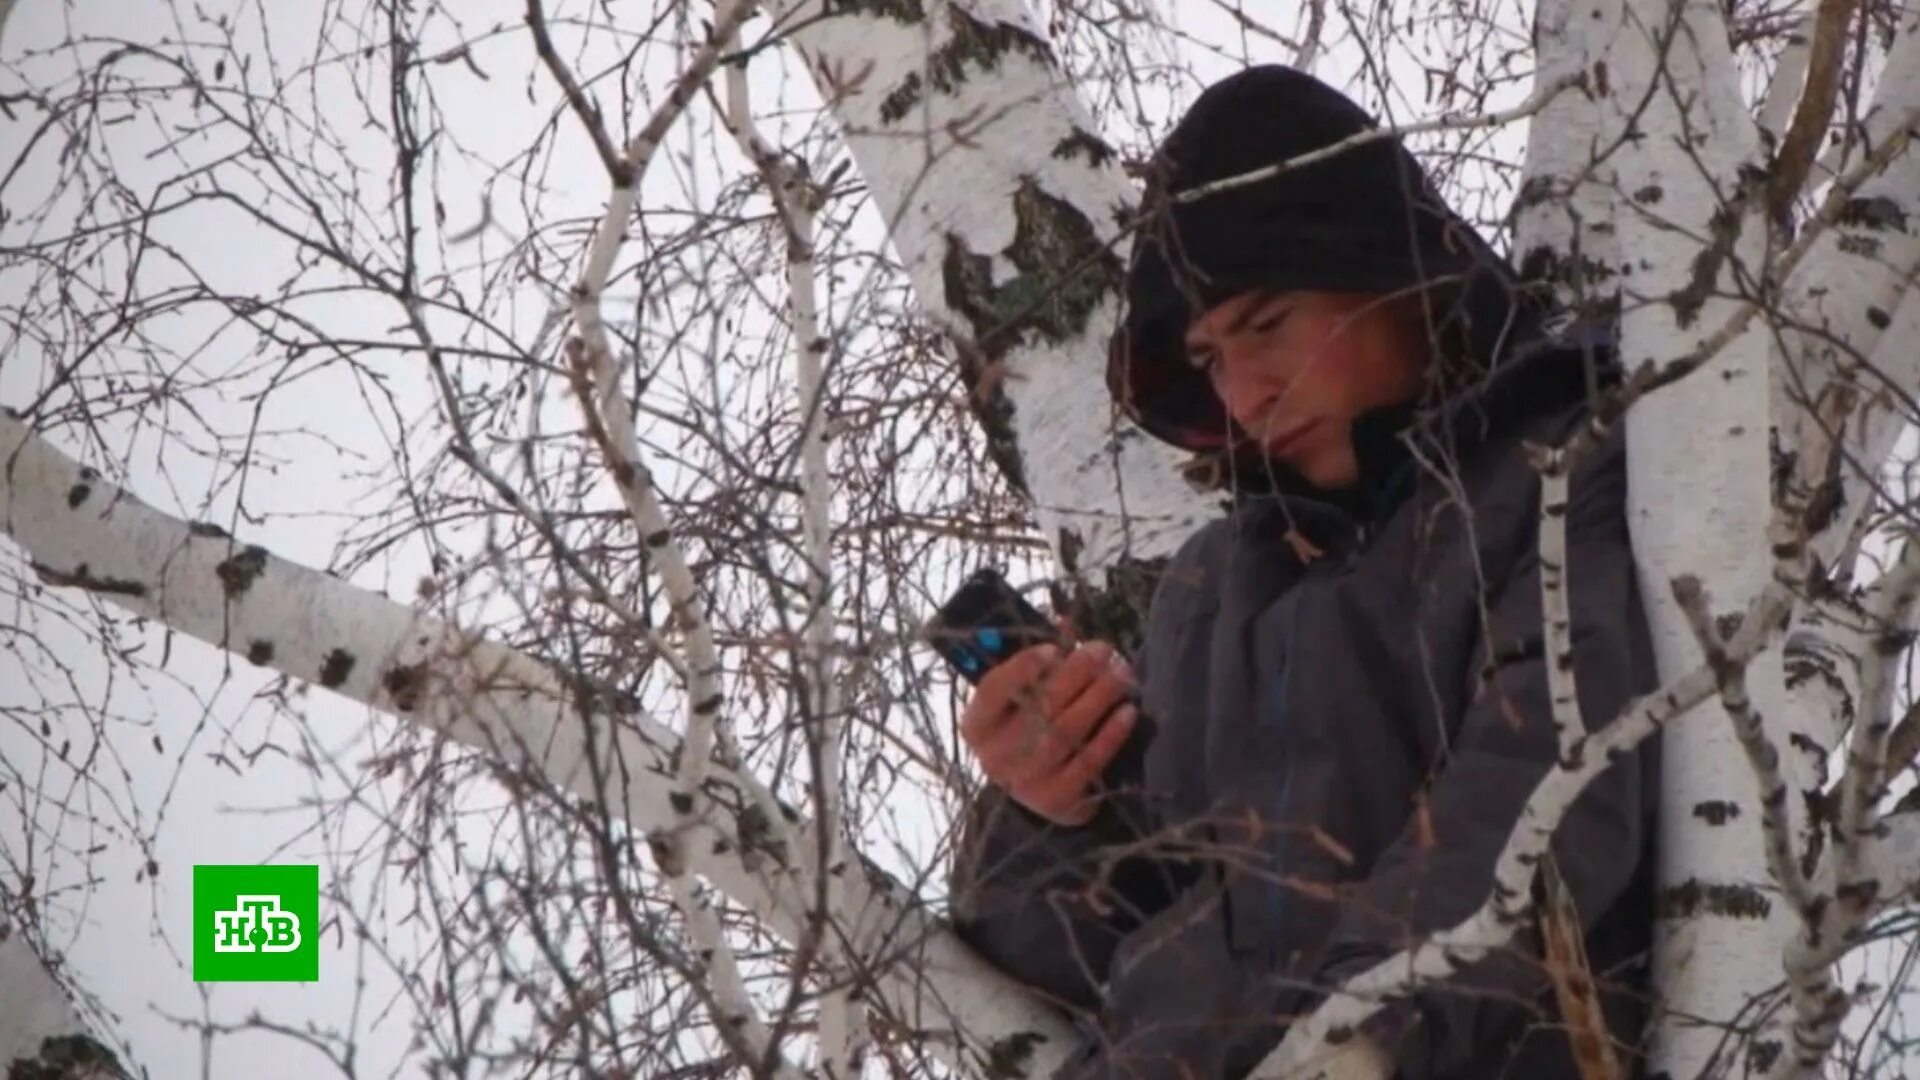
{"x":987,"y":621}
{"x":984,"y":622}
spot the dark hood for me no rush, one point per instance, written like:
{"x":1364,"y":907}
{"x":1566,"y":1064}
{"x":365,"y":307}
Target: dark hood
{"x":1363,"y":219}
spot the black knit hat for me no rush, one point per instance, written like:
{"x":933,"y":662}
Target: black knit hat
{"x":1361,"y":219}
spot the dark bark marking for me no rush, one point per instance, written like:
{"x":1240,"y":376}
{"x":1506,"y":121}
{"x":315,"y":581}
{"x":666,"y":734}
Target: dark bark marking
{"x":1691,"y":897}
{"x":1008,"y":1057}
{"x":208,"y":530}
{"x":404,"y":684}
{"x":1064,"y":275}
{"x":1874,"y":212}
{"x":335,"y":669}
{"x":260,"y":652}
{"x":898,"y":104}
{"x":1716,"y":811}
{"x":973,"y":42}
{"x":238,"y":573}
{"x":82,"y":577}
{"x":906,"y":11}
{"x":77,"y":494}
{"x":1084,"y":143}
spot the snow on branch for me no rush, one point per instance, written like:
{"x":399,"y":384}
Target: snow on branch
{"x":77,"y":530}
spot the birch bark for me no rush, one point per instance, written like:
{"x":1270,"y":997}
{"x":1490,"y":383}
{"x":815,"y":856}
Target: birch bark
{"x":1698,"y":443}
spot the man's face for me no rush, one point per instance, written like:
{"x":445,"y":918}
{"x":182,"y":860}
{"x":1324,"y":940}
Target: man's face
{"x":1295,"y":369}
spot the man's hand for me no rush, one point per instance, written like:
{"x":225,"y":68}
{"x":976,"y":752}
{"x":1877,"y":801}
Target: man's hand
{"x":1029,"y":721}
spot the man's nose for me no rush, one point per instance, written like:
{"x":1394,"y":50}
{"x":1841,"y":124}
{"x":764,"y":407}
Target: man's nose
{"x":1244,"y":384}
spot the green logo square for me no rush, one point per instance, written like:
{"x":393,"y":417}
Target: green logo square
{"x":256,"y":923}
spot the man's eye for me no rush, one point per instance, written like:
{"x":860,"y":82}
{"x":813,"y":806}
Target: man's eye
{"x":1202,"y":359}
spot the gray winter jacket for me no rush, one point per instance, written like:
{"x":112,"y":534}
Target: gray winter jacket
{"x":1344,"y":745}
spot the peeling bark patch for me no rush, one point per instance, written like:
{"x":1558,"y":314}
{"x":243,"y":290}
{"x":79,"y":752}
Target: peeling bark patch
{"x":82,"y":577}
{"x":1065,"y":273}
{"x":972,"y":42}
{"x":1084,"y":143}
{"x":335,"y":669}
{"x":237,"y":574}
{"x":62,"y":1057}
{"x":1762,"y":1053}
{"x":260,"y":652}
{"x":77,"y":494}
{"x":1716,"y":811}
{"x":404,"y":683}
{"x":1692,"y":898}
{"x":1007,"y":1058}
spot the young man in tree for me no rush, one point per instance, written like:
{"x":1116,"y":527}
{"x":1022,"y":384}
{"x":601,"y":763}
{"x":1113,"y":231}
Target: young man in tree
{"x":1349,"y":673}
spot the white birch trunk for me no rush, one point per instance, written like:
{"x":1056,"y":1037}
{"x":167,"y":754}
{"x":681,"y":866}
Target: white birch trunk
{"x":1700,"y":443}
{"x":991,"y":177}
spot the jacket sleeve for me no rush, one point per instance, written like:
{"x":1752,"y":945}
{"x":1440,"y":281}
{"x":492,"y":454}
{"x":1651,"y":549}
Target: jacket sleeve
{"x":1046,"y":903}
{"x":1441,"y":869}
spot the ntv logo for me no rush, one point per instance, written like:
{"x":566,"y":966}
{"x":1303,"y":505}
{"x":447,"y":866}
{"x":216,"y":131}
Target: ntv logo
{"x":256,"y":923}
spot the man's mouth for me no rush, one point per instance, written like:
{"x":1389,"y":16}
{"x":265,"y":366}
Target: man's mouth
{"x":1287,"y":437}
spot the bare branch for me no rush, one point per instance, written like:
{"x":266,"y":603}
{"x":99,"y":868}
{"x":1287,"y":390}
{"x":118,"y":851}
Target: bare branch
{"x":201,"y":582}
{"x":1810,"y":121}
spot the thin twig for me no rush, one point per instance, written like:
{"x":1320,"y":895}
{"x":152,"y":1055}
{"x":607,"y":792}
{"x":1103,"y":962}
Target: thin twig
{"x":1450,"y":122}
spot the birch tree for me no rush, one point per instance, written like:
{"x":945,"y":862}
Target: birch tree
{"x":776,"y":317}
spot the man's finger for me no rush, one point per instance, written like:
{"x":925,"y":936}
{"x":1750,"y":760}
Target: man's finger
{"x":1072,"y":780}
{"x":997,"y":701}
{"x":1107,"y":690}
{"x":1075,"y":672}
{"x":1032,"y":750}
